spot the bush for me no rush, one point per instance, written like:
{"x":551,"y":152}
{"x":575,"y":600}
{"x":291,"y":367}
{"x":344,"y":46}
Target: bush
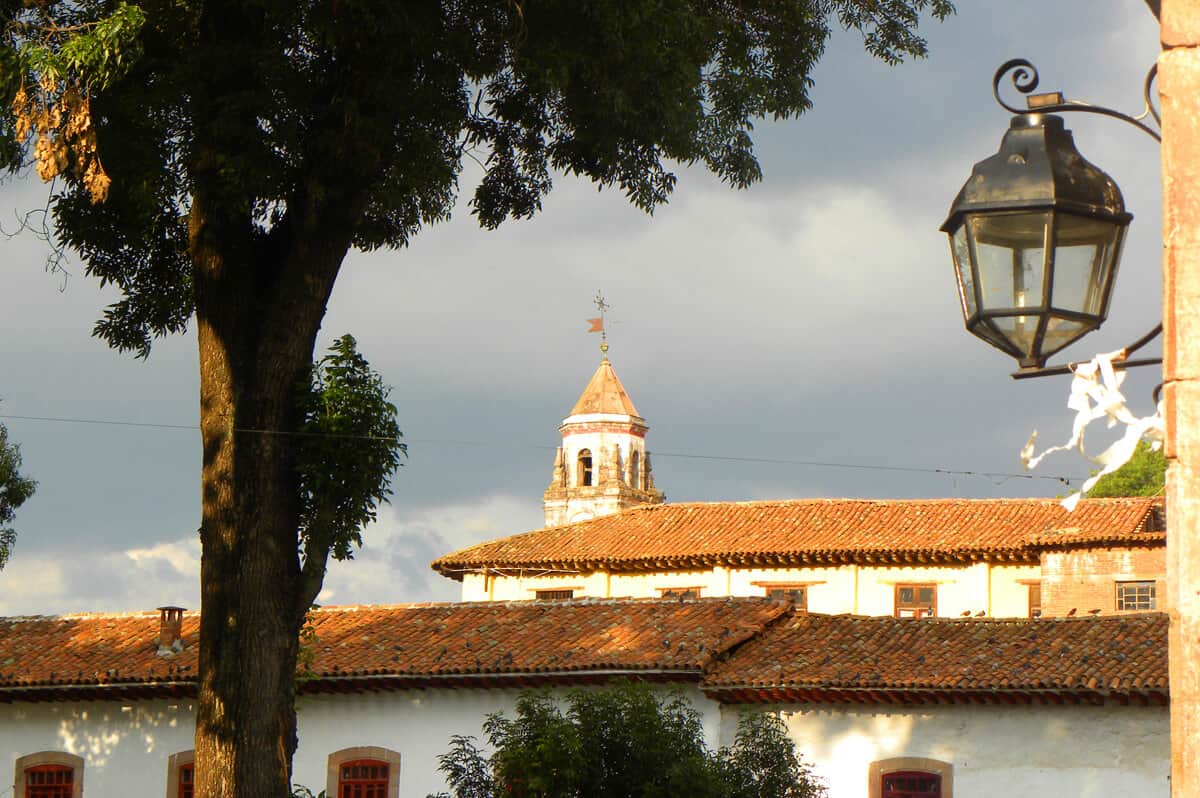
{"x":629,"y":741}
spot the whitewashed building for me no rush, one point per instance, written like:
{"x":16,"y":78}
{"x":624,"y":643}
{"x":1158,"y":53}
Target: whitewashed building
{"x":969,"y":707}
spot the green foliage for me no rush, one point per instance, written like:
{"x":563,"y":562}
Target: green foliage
{"x":631,"y":740}
{"x":274,"y":108}
{"x":14,"y":491}
{"x":1145,"y":474}
{"x":349,"y":445}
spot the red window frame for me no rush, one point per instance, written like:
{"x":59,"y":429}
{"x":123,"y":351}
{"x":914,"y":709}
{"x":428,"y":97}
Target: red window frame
{"x":910,"y":784}
{"x":680,"y":592}
{"x":187,"y":777}
{"x":912,"y":604}
{"x":49,"y":781}
{"x":363,"y":778}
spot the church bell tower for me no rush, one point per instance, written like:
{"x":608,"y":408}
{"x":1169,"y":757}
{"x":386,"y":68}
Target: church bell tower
{"x":602,"y":466}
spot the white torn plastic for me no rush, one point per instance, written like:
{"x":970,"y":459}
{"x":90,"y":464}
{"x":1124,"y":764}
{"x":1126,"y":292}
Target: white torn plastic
{"x":1096,"y":393}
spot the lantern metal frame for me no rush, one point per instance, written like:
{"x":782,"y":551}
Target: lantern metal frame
{"x":1025,"y":79}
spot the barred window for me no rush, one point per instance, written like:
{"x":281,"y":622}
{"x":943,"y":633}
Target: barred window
{"x":363,"y":772}
{"x":186,"y":777}
{"x":48,"y":774}
{"x":797,"y":594}
{"x":365,"y":778}
{"x":911,"y":784}
{"x":1136,"y":595}
{"x":916,"y":601}
{"x":554,"y":595}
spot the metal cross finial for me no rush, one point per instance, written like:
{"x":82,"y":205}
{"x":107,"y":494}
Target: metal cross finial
{"x":603,"y":307}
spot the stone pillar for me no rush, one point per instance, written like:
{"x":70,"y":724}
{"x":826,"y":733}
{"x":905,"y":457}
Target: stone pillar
{"x":1179,"y":92}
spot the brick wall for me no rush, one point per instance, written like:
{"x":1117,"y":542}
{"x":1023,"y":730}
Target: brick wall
{"x":1086,"y":579}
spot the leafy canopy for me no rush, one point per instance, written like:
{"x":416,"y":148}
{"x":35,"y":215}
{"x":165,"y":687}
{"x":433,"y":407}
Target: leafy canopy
{"x":348,"y":446}
{"x":273,"y":108}
{"x":1144,"y":474}
{"x":629,"y":740}
{"x":14,"y":491}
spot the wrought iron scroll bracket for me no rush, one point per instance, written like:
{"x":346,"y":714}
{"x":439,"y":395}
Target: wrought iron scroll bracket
{"x":1025,"y":79}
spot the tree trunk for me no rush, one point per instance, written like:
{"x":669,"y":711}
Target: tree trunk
{"x":259,"y":305}
{"x":245,"y":722}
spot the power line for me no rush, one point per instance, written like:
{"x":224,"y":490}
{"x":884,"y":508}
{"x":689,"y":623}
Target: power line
{"x":991,"y":475}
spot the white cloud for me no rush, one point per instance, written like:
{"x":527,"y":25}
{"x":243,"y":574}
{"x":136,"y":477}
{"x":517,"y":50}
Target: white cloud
{"x":102,"y":581}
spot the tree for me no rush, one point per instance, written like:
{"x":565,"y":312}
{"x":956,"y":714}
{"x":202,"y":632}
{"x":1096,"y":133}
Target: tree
{"x":217,"y":159}
{"x":1144,"y":474}
{"x":629,"y":740}
{"x":14,"y":491}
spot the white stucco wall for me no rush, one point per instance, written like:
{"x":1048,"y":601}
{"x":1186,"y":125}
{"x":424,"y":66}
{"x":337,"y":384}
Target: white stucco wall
{"x":125,"y":746}
{"x":999,"y":591}
{"x":995,"y":751}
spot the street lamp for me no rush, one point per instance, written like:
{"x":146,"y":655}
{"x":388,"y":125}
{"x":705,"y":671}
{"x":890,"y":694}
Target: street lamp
{"x":1036,"y":232}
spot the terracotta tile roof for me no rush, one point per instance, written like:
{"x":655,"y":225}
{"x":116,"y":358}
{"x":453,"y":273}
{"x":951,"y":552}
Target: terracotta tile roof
{"x":808,"y":531}
{"x":812,"y":657}
{"x":94,"y":651}
{"x":604,"y":394}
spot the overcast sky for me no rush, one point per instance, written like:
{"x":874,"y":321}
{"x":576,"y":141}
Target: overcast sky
{"x":812,"y":318}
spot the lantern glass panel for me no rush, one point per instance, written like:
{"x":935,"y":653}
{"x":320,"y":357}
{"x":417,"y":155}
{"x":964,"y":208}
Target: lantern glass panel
{"x":1020,"y":331}
{"x":1061,"y":332}
{"x":1084,"y":252}
{"x":1010,"y":250}
{"x":962,"y":267}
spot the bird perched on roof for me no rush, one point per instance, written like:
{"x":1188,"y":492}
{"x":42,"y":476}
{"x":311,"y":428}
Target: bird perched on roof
{"x":1071,"y":612}
{"x":1094,"y":612}
{"x":966,"y":614}
{"x":980,"y":614}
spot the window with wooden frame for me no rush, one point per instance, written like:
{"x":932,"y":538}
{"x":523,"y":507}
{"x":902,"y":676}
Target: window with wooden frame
{"x":554,"y":595}
{"x":584,"y":475}
{"x":363,"y":772}
{"x":916,"y":601}
{"x":910,"y":777}
{"x":181,"y":774}
{"x":783,"y":591}
{"x":1139,"y":595}
{"x":49,"y":774}
{"x":1035,"y":599}
{"x":911,"y":784}
{"x":679,"y":592}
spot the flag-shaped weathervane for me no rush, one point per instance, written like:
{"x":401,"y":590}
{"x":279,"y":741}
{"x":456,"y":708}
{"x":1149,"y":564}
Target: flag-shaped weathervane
{"x":598,"y":323}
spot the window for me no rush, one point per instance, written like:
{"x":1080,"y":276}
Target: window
{"x":186,"y":774}
{"x":363,"y":772}
{"x":911,"y":784}
{"x":585,"y":468}
{"x":366,"y":778}
{"x":680,"y":592}
{"x":49,"y":774}
{"x":635,"y":470}
{"x":916,"y":601}
{"x":910,"y":777}
{"x":554,"y":595}
{"x":1035,"y":599}
{"x":1136,"y":595}
{"x":181,"y":774}
{"x":797,"y":594}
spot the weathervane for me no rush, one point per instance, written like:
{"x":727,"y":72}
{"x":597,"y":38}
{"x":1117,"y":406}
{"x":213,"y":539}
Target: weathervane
{"x":598,"y":323}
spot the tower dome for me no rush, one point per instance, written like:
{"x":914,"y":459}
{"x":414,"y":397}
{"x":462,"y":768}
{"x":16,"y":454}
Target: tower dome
{"x":602,"y":466}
